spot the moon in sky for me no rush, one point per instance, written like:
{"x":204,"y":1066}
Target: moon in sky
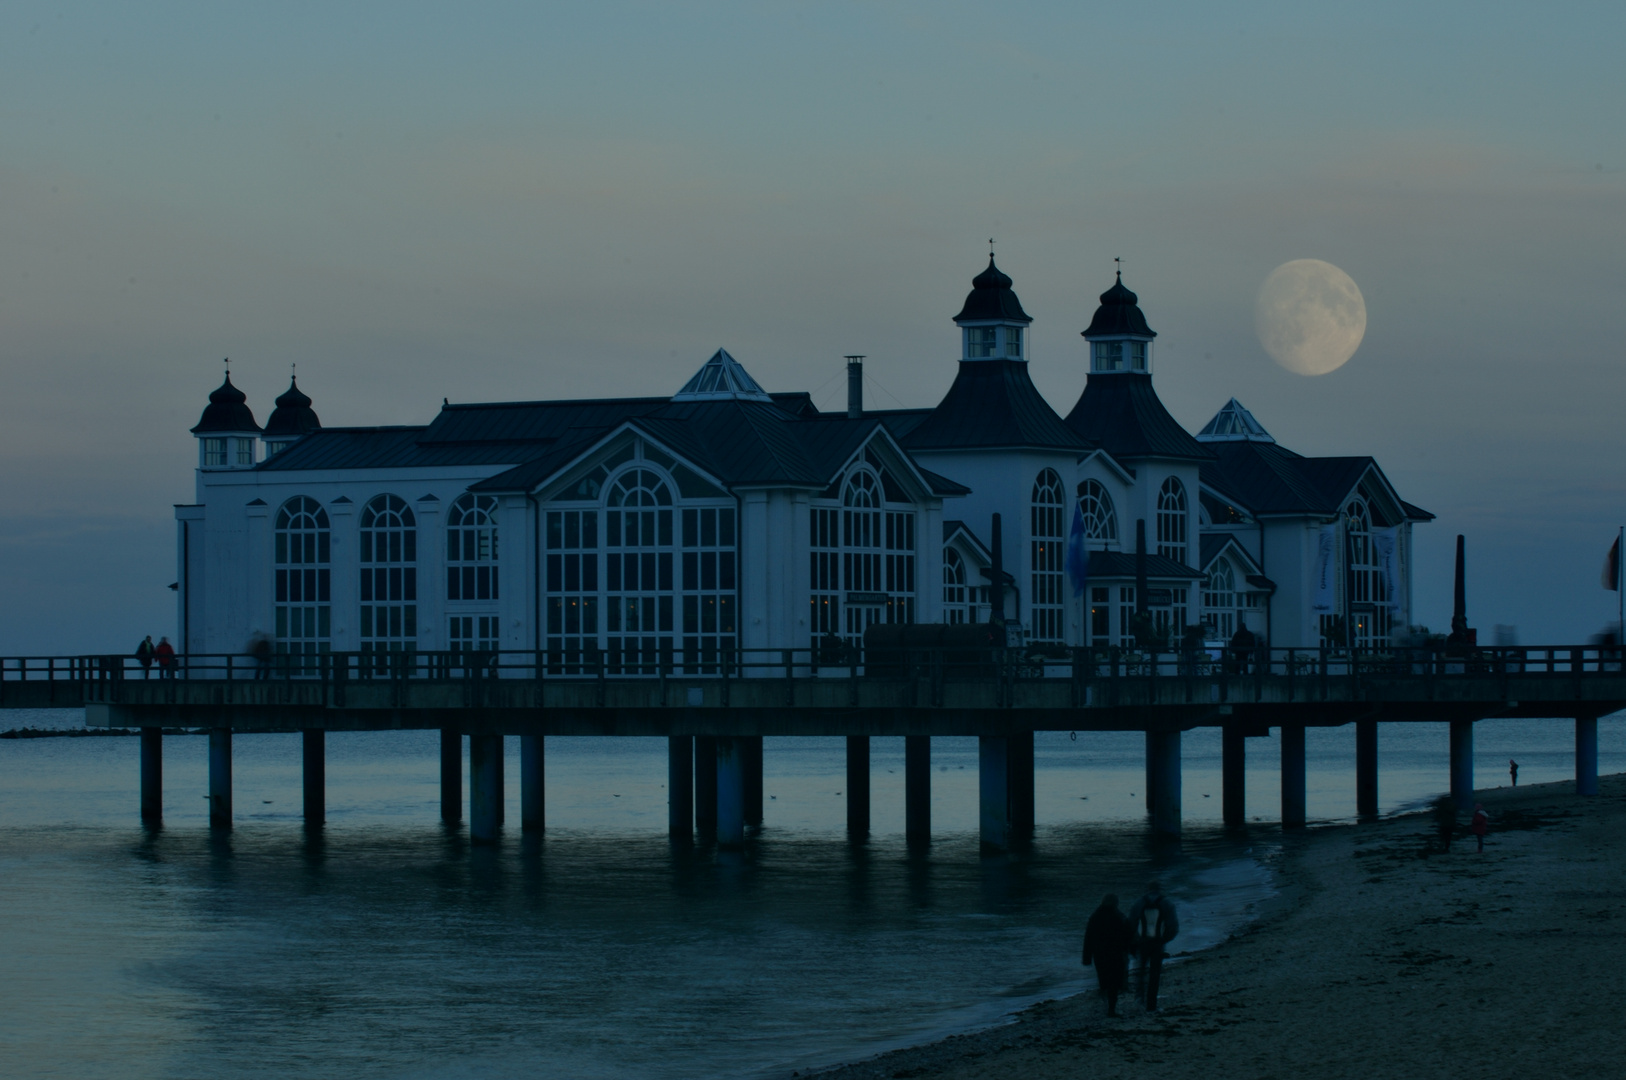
{"x":1310,"y":316}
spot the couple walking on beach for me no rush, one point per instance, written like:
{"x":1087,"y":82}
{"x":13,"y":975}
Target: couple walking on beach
{"x":1110,"y":938}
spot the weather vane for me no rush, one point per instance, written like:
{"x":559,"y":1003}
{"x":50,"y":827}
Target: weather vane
{"x":1119,"y":268}
{"x":990,"y":247}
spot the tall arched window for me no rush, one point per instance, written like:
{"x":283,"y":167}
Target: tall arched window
{"x":1171,"y":520}
{"x":1219,"y":601}
{"x":1100,"y":520}
{"x":638,"y":571}
{"x":863,"y":557}
{"x":303,"y":586}
{"x":471,"y":573}
{"x":389,"y":576}
{"x":1047,"y":525}
{"x":955,"y":606}
{"x":1370,"y":615}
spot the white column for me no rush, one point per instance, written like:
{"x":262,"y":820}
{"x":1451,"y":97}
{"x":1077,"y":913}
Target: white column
{"x":756,"y":560}
{"x":431,"y":573}
{"x":517,"y":566}
{"x":346,"y":584}
{"x":258,"y":574}
{"x":929,"y":563}
{"x":797,"y":575}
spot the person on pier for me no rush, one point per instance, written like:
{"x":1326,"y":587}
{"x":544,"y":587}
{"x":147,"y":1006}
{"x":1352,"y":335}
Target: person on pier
{"x":1106,"y":945}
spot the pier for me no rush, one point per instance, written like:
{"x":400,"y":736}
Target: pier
{"x":715,"y":715}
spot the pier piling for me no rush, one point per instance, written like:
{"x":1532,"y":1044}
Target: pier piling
{"x":993,"y":784}
{"x":680,"y":786}
{"x":1366,"y":768}
{"x":751,"y":762}
{"x":858,"y":785}
{"x":1462,"y":764}
{"x":532,"y":809}
{"x":705,"y":786}
{"x":730,"y":793}
{"x":451,"y":775}
{"x":220,"y":778}
{"x":314,"y":747}
{"x":917,"y":789}
{"x":1166,"y":776}
{"x":485,"y":787}
{"x":1586,"y":755}
{"x":152,"y":775}
{"x":1019,"y":760}
{"x":1234,"y":775}
{"x":1294,"y":809}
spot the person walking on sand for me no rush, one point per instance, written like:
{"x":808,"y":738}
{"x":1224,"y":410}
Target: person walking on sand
{"x":1480,"y":824}
{"x":1154,"y":924}
{"x":164,"y":653}
{"x":143,"y":655}
{"x":1513,"y":771}
{"x":1445,"y":821}
{"x":1106,"y":945}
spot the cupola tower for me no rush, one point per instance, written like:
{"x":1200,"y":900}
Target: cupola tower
{"x":291,"y":418}
{"x":1119,"y":338}
{"x":226,"y":432}
{"x":992,"y":324}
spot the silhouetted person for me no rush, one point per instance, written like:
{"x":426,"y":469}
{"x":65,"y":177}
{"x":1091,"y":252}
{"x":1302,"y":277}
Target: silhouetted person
{"x":1107,"y":941}
{"x":1445,"y":820}
{"x":143,"y":655}
{"x":1153,"y":922}
{"x":259,"y":647}
{"x":164,"y":653}
{"x":1513,"y":771}
{"x":1243,"y":644}
{"x":1480,"y":824}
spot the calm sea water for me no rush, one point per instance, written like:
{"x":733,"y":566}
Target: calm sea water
{"x":389,"y":948}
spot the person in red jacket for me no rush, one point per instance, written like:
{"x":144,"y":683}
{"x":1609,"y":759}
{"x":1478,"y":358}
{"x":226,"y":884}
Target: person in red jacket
{"x":1480,"y":824}
{"x":165,"y":655}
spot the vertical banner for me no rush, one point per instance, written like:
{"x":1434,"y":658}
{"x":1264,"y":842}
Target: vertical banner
{"x":1385,"y":552}
{"x":1324,"y":599}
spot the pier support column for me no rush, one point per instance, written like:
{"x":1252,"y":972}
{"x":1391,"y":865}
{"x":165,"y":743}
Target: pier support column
{"x":220,"y":778}
{"x":1366,"y":768}
{"x":485,"y":787}
{"x":314,"y":747}
{"x":751,"y":763}
{"x":502,"y":792}
{"x":730,"y":793}
{"x":1294,"y":809}
{"x":858,"y":785}
{"x":1586,"y":755}
{"x":1019,"y":759}
{"x":1462,"y":764}
{"x":1234,"y":775}
{"x":917,"y":789}
{"x":993,"y":784}
{"x":705,"y":786}
{"x":152,"y":775}
{"x":532,"y":809}
{"x":680,"y":786}
{"x":1151,"y":778}
{"x":451,"y":775}
{"x":1166,"y":781}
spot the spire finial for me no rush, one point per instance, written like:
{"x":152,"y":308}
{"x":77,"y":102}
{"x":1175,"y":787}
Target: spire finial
{"x":990,"y":249}
{"x":227,"y":362}
{"x":1119,"y":267}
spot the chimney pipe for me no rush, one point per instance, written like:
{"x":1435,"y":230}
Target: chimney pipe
{"x":1460,"y":633}
{"x":855,"y":387}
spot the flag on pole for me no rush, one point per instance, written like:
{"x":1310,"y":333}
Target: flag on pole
{"x":1611,"y":567}
{"x":1078,"y":559}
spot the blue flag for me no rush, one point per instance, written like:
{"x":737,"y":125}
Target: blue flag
{"x":1078,"y":558}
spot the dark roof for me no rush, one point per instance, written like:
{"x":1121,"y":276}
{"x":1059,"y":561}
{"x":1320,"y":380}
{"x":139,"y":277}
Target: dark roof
{"x":1268,"y":478}
{"x":389,"y":448}
{"x":293,"y":414}
{"x":952,"y":528}
{"x":1119,"y":313}
{"x":991,"y":298}
{"x":993,"y":403}
{"x":1121,"y":564}
{"x":227,"y":411}
{"x":1214,"y":543}
{"x":1120,"y":412}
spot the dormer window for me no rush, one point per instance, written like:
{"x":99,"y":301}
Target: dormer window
{"x":214,"y":452}
{"x":1013,"y":342}
{"x":245,"y":451}
{"x":1137,"y":356}
{"x":1108,"y":356}
{"x":980,"y":342}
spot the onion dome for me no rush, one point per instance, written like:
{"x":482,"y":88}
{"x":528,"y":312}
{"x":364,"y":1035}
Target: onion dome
{"x":1119,"y":315}
{"x":293,"y":415}
{"x":227,"y":411}
{"x":991,"y":299}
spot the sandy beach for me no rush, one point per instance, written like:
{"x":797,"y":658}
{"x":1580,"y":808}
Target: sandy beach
{"x":1380,"y":957}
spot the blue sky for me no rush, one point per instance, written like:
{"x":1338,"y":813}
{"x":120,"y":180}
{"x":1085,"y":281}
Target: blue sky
{"x":523,"y":201}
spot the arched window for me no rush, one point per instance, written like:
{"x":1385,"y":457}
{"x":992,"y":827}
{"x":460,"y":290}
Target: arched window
{"x":1370,"y":614}
{"x":1100,"y":520}
{"x":471,"y":573}
{"x":955,"y":605}
{"x":389,"y":576}
{"x":1047,"y":525}
{"x":1171,"y":520}
{"x":863,"y":557}
{"x":1219,"y":601}
{"x":303,"y":585}
{"x":639,"y":567}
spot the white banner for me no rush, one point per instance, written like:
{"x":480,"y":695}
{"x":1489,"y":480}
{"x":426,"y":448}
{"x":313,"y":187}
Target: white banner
{"x":1386,"y":553}
{"x":1325,"y":591}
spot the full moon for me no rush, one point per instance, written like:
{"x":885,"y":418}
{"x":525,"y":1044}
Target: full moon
{"x":1310,"y":316}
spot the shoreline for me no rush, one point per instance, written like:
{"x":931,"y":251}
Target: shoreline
{"x":1378,"y":955}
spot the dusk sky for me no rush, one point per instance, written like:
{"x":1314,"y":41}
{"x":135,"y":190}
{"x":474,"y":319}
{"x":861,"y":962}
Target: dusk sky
{"x":534,"y":201}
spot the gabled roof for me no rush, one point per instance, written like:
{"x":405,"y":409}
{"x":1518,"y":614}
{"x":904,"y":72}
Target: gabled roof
{"x":1268,"y":478}
{"x":1120,"y":412}
{"x":1213,"y":545}
{"x":1121,"y":564}
{"x":993,"y":404}
{"x":954,"y":528}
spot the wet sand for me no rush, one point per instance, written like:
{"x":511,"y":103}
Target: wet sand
{"x":1380,"y":957}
